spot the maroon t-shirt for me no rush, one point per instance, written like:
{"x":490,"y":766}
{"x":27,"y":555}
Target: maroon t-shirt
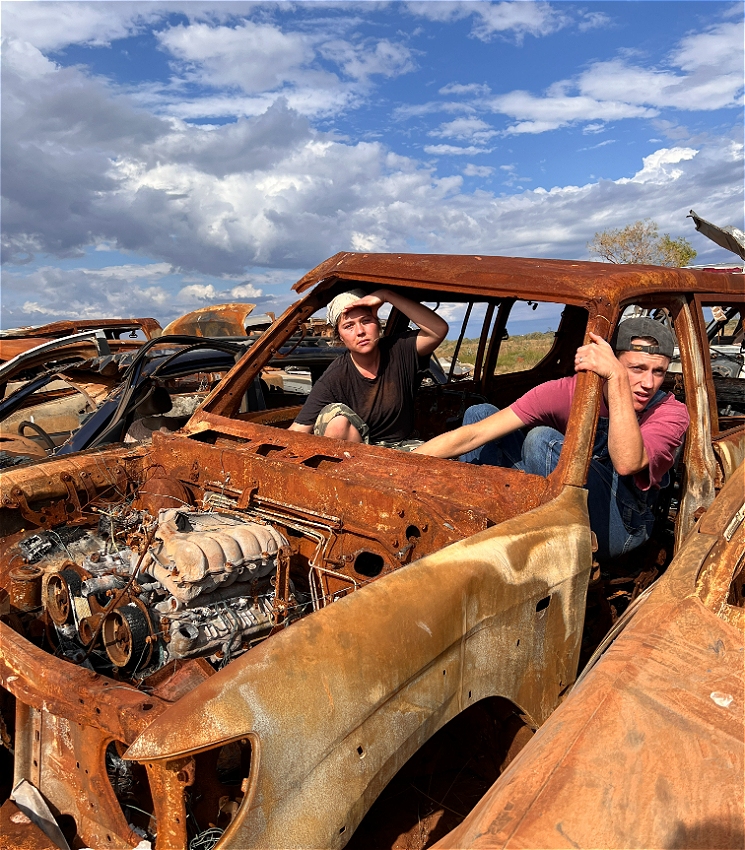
{"x":662,"y":426}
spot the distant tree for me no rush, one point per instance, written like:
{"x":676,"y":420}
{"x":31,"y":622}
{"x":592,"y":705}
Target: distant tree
{"x":640,"y":242}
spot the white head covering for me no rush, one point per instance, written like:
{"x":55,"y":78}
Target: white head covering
{"x":340,"y":304}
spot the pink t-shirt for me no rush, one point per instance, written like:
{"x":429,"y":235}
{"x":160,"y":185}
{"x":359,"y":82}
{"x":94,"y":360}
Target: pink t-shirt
{"x":662,"y":426}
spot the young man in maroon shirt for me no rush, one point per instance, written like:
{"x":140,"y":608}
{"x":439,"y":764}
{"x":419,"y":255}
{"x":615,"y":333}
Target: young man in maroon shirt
{"x":639,"y":430}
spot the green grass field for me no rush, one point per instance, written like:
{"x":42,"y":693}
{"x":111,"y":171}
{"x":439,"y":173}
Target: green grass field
{"x":517,"y":353}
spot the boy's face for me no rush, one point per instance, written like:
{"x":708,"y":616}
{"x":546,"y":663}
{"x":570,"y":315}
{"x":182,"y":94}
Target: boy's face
{"x":358,"y":330}
{"x":646,"y":373}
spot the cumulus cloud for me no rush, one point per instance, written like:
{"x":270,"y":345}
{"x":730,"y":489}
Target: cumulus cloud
{"x":261,"y":61}
{"x":492,"y":19}
{"x":152,"y":289}
{"x":252,"y":57}
{"x":709,"y":78}
{"x":53,"y":25}
{"x":467,"y":129}
{"x":86,"y":165}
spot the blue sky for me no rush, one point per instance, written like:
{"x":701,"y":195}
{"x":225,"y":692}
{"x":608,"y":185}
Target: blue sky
{"x":161,"y":156}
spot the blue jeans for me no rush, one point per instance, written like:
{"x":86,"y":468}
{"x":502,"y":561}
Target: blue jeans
{"x":619,"y":513}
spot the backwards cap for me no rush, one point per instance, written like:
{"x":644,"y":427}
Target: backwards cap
{"x":340,"y":304}
{"x":644,"y":327}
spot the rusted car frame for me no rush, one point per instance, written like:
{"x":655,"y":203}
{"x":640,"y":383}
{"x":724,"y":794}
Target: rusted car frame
{"x":450,"y":584}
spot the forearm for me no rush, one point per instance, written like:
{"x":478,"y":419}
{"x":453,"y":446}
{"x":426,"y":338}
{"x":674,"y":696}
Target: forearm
{"x":296,"y":426}
{"x":625,"y":444}
{"x":469,"y":437}
{"x":432,"y":328}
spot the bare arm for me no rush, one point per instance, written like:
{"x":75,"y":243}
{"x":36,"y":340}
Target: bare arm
{"x":625,"y":444}
{"x":469,"y":437}
{"x":432,"y":328}
{"x":306,"y":429}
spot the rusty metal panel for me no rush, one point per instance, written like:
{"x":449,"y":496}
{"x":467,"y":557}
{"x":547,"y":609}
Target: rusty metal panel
{"x":649,"y":749}
{"x":580,"y":281}
{"x":19,"y":832}
{"x":211,"y":321}
{"x":648,"y":752}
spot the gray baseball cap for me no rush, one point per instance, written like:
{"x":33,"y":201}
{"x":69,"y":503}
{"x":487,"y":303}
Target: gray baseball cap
{"x":640,"y":327}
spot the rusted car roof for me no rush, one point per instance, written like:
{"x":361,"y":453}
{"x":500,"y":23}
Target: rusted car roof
{"x":574,"y":281}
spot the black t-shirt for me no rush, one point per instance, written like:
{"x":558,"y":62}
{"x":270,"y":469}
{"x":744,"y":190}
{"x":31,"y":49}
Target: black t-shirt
{"x":386,"y":402}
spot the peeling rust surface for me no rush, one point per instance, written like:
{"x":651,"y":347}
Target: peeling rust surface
{"x":19,"y":832}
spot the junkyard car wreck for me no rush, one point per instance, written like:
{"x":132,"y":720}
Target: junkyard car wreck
{"x":241,"y":633}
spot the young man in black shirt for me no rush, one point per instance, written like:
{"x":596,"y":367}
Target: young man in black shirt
{"x":367,"y":394}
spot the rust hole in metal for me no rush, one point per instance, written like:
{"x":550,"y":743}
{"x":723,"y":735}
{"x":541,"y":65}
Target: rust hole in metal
{"x":267,"y":448}
{"x":413,"y":531}
{"x":360,"y":752}
{"x":542,"y":604}
{"x":320,"y":461}
{"x":368,"y":564}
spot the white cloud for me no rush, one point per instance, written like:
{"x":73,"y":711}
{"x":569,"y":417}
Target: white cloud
{"x":55,"y":25}
{"x":454,"y":150}
{"x":539,"y":114}
{"x":88,"y":168}
{"x":593,"y":20}
{"x":473,"y":89}
{"x":361,"y":61}
{"x":245,"y":290}
{"x":198,"y":292}
{"x":472,"y":170}
{"x":599,"y":145}
{"x":711,"y":63}
{"x":115,"y":292}
{"x":659,"y":167}
{"x":384,"y":202}
{"x":522,"y":18}
{"x":127,"y":273}
{"x":466,"y":129}
{"x":263,"y":61}
{"x":719,"y":47}
{"x":515,"y":18}
{"x":250,"y":57}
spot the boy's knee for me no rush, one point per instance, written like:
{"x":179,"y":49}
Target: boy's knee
{"x":340,"y":428}
{"x":542,"y":437}
{"x":477,"y":412}
{"x":541,"y":450}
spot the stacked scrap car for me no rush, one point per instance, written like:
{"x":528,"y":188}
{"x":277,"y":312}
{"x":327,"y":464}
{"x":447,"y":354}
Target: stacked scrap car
{"x":240,"y":633}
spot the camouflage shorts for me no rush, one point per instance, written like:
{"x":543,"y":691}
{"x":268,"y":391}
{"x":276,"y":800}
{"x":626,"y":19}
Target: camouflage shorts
{"x":331,"y":411}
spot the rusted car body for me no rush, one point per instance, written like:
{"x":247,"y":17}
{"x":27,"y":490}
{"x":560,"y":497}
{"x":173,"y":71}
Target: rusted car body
{"x":648,"y":749}
{"x":73,"y":363}
{"x":56,"y":376}
{"x":351,"y":600}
